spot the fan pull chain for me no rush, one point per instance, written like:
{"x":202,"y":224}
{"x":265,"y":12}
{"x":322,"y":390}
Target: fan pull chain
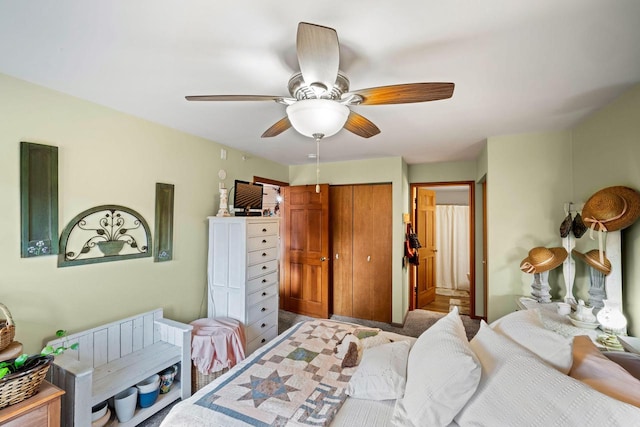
{"x":317,"y":137}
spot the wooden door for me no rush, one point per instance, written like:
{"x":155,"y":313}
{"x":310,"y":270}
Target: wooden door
{"x":485,"y":266}
{"x":306,"y":249}
{"x":380,"y":246}
{"x":341,"y":219}
{"x":426,"y":231}
{"x":363,"y":204}
{"x":372,"y":277}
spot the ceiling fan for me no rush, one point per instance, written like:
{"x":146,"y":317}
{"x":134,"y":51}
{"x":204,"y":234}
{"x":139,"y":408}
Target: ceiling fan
{"x":320,"y":96}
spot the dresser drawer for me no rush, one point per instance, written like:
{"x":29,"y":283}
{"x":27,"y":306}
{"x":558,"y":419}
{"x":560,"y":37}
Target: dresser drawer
{"x":263,"y":255}
{"x":262,"y":229}
{"x":262,"y":340}
{"x":262,"y":268}
{"x":261,"y":309}
{"x":262,"y":281}
{"x":261,"y":295}
{"x":258,"y":328}
{"x":259,"y":243}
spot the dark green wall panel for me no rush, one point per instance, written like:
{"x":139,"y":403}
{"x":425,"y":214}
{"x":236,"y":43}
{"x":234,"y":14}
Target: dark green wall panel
{"x":38,"y":199}
{"x":163,"y":250}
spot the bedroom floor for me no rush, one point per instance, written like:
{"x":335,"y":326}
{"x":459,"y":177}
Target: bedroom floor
{"x":417,"y":321}
{"x":446,"y":299}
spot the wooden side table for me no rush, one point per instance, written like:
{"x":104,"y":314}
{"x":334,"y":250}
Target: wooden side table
{"x":42,"y":409}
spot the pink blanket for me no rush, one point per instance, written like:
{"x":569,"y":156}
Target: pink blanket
{"x":216,"y":344}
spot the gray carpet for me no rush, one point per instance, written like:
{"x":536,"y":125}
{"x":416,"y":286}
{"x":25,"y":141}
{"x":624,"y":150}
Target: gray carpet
{"x":417,"y":322}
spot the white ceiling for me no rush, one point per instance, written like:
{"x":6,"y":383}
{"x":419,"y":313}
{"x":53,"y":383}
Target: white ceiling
{"x":518,"y":66}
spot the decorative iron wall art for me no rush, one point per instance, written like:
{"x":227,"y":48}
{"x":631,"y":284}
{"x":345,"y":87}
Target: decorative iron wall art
{"x":104,"y":233}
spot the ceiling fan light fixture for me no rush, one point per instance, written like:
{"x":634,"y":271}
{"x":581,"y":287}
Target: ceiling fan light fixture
{"x":317,"y":116}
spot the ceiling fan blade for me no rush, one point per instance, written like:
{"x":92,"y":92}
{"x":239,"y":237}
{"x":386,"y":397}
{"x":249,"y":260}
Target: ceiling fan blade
{"x":233,"y":98}
{"x":360,"y":125}
{"x":279,"y":127}
{"x":318,"y":54}
{"x":405,"y":93}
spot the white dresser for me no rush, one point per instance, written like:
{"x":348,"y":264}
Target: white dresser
{"x":243,"y":274}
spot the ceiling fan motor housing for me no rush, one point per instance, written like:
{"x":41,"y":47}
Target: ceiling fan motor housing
{"x":299,"y":89}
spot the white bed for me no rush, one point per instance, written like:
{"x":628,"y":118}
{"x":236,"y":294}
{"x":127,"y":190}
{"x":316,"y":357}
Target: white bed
{"x":513,"y":373}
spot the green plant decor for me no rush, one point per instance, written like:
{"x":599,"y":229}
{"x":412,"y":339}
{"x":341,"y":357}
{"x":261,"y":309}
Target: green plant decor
{"x":20,"y":362}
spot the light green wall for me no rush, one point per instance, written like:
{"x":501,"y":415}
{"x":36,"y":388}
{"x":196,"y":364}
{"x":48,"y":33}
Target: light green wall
{"x":529,"y":178}
{"x":606,"y":152}
{"x":482,"y":165}
{"x":406,"y":202}
{"x":389,"y":170}
{"x":107,"y":157}
{"x":442,"y":172}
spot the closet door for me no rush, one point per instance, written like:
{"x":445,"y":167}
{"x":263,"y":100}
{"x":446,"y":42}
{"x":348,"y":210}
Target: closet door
{"x":341,"y":218}
{"x":363,"y":205}
{"x":380,"y":248}
{"x":372,"y":220}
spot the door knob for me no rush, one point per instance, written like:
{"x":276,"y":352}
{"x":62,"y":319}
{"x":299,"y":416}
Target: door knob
{"x":323,"y":259}
{"x":369,"y":258}
{"x":337,"y":256}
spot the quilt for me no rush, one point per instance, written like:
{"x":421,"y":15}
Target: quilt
{"x":296,"y":382}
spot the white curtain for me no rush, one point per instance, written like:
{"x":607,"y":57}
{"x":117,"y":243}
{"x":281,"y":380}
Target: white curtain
{"x":452,"y":242}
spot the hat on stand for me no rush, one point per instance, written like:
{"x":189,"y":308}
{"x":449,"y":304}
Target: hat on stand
{"x":593,"y":259}
{"x":612,"y":209}
{"x":542,"y":259}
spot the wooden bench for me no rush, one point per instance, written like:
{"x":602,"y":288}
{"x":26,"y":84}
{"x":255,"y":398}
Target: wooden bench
{"x":116,"y":356}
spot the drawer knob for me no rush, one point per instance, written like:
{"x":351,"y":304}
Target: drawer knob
{"x":264,"y":241}
{"x":264,"y":280}
{"x":263,"y":340}
{"x":263,"y":325}
{"x":263,"y":309}
{"x":264,"y":254}
{"x":264,"y":230}
{"x":264,"y":294}
{"x":264,"y":267}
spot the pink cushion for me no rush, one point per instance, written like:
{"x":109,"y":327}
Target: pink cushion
{"x":594,"y":369}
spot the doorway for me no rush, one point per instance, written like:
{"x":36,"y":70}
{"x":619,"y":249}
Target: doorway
{"x":443,"y":218}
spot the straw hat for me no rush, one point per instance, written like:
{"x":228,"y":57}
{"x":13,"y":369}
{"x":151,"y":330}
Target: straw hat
{"x":542,"y":259}
{"x":593,"y":259}
{"x":612,"y":208}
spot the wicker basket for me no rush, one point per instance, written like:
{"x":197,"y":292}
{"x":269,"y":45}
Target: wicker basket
{"x":199,"y":380}
{"x":22,"y":385}
{"x":7,"y":328}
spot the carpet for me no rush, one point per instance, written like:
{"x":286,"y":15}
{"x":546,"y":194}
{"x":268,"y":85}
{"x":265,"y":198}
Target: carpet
{"x":417,"y":322}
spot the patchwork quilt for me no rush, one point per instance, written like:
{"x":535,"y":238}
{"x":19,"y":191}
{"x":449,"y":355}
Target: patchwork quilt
{"x":298,"y":381}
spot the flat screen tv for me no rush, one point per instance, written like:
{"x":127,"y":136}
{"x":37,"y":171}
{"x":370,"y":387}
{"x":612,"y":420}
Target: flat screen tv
{"x":247,"y":199}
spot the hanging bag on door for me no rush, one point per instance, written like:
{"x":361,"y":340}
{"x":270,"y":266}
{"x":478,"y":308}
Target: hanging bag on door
{"x":411,"y":246}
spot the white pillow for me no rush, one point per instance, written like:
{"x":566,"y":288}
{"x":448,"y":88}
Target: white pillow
{"x":526,"y":328}
{"x":382,"y":372}
{"x":518,"y":389}
{"x":442,"y":374}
